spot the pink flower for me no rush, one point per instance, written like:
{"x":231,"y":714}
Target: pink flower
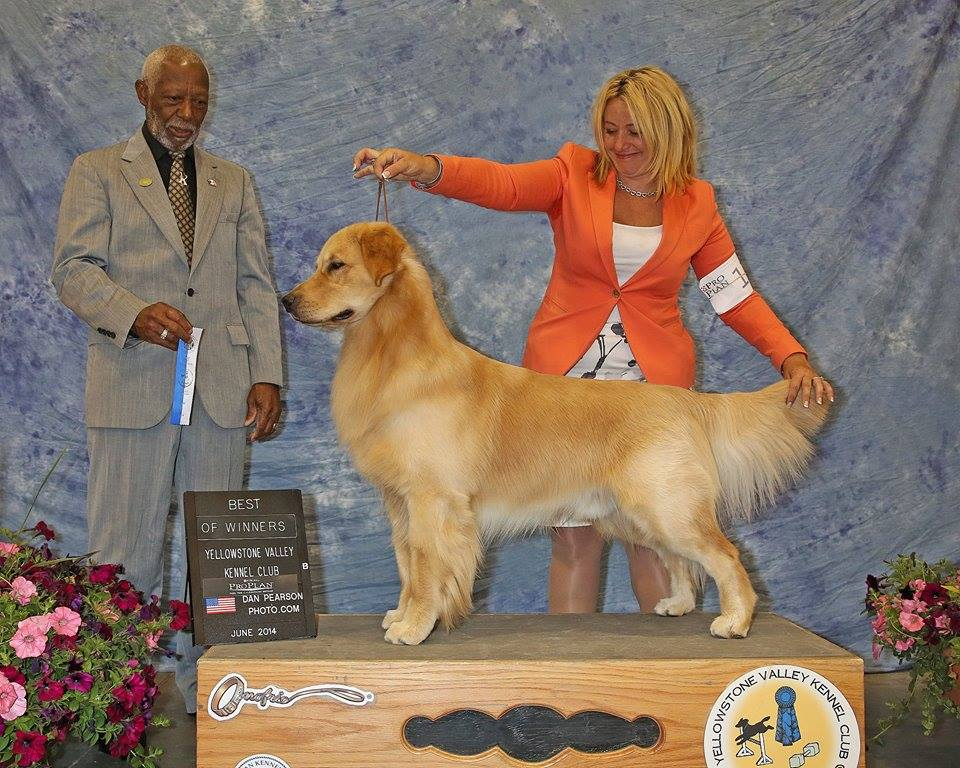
{"x":152,"y":638}
{"x":40,"y":623}
{"x":876,"y":652}
{"x":910,"y":621}
{"x":879,"y":624}
{"x":13,"y":699}
{"x":20,"y":705}
{"x":917,"y":585}
{"x":904,"y":645}
{"x":29,"y":641}
{"x":942,"y":621}
{"x":913,"y":606}
{"x":65,"y":621}
{"x":22,"y":590}
{"x":8,"y":548}
{"x":7,"y":695}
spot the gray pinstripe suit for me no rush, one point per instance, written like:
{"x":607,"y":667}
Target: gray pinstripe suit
{"x":118,"y":250}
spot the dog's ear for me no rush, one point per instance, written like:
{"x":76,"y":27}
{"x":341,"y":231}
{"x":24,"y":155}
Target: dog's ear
{"x":381,"y":249}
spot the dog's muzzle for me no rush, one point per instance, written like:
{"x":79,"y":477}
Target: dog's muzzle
{"x":291,"y":303}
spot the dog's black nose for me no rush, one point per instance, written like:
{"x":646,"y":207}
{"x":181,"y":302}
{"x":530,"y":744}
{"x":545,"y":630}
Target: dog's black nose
{"x":288,"y":300}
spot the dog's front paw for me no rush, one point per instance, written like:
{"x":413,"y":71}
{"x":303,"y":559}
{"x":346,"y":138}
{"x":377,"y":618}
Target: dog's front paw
{"x":408,"y":632}
{"x":729,"y":626}
{"x":391,"y":617}
{"x":674,"y":606}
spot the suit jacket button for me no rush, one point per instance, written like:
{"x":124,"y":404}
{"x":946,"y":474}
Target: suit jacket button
{"x":616,"y":293}
{"x":189,"y":291}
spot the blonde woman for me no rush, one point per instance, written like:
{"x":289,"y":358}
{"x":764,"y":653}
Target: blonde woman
{"x":629,"y":220}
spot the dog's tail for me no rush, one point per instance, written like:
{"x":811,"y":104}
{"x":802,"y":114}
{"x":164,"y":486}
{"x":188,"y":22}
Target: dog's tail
{"x":760,"y":444}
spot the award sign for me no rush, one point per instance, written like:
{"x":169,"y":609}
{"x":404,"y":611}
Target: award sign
{"x":249,"y":576}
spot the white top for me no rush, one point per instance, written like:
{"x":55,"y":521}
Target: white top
{"x":633,"y":247}
{"x":609,"y":357}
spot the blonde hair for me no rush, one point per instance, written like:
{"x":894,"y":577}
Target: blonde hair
{"x":664,"y":118}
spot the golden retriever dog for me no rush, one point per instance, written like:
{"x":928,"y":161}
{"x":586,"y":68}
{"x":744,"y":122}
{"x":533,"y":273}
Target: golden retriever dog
{"x":464,"y":447}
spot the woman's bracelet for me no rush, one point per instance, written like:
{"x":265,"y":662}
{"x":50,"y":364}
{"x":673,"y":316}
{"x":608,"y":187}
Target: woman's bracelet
{"x":427,"y":185}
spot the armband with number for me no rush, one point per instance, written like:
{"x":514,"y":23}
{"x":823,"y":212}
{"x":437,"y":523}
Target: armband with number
{"x":727,"y":285}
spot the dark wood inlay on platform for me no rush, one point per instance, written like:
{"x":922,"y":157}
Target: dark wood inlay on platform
{"x":530,"y":733}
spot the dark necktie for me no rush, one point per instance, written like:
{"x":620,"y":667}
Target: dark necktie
{"x":179,"y":194}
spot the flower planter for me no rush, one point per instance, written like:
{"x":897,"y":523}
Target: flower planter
{"x":915,"y":612}
{"x":75,"y":645}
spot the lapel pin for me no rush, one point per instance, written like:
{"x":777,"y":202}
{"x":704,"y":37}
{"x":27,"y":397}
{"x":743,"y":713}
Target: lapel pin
{"x":146,"y":181}
{"x":212,"y":182}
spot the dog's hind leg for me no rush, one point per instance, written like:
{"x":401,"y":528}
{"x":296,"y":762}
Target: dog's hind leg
{"x":397,"y":513}
{"x":683,"y":593}
{"x":721,"y":560}
{"x":677,"y":513}
{"x":444,"y":551}
{"x":625,"y":525}
{"x":705,"y":543}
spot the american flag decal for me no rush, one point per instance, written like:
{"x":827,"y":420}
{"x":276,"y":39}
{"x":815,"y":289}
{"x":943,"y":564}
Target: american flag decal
{"x":221,"y":604}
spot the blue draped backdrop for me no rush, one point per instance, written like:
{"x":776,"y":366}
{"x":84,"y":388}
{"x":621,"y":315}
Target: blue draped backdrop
{"x":830,"y":131}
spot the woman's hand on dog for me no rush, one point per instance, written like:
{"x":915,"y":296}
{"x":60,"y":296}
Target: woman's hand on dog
{"x":395,"y":164}
{"x":804,"y":380}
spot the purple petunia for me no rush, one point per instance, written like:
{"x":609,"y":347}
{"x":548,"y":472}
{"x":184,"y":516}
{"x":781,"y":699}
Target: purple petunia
{"x":79,"y":681}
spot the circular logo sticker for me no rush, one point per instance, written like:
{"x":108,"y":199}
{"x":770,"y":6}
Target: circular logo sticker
{"x":782,"y":715}
{"x":262,"y":761}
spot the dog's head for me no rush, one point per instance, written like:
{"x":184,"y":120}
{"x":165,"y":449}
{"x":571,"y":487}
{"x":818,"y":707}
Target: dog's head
{"x":354,"y":269}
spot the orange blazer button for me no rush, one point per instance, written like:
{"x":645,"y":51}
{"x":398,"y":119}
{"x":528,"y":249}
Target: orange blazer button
{"x":616,"y":293}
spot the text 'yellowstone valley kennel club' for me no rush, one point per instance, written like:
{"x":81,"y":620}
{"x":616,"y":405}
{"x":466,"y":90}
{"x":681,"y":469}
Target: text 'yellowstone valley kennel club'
{"x":782,"y":715}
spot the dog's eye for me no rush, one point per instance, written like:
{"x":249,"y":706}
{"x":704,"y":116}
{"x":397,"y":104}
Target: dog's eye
{"x":333,"y":266}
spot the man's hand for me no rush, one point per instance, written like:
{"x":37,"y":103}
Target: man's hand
{"x":263,"y":407}
{"x":162,"y":325}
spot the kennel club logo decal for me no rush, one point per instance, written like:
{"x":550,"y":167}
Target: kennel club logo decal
{"x":232,"y":693}
{"x":782,"y":716}
{"x":262,"y":761}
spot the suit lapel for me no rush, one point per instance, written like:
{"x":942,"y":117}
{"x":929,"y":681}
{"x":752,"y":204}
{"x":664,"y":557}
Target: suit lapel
{"x":209,"y":201}
{"x":140,"y":170}
{"x":675,"y":208}
{"x":601,"y":210}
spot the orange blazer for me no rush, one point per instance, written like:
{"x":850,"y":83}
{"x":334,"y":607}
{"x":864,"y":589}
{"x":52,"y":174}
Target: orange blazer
{"x":583,"y":288}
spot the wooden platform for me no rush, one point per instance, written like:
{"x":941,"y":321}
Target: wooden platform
{"x":526,"y":680}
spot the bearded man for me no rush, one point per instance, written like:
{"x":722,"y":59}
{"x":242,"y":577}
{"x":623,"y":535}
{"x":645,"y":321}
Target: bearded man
{"x":155,"y":238}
